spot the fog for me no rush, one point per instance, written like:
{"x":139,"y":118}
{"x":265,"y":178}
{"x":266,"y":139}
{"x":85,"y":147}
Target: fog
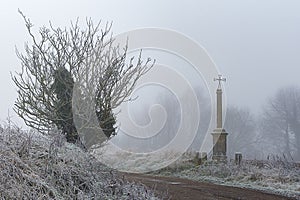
{"x":254,"y":44}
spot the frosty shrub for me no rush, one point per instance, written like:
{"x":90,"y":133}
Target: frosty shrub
{"x":33,"y":166}
{"x":57,"y":61}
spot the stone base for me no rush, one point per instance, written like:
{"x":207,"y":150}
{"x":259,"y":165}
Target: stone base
{"x":220,"y":144}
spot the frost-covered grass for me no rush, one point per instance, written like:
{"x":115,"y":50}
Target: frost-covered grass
{"x":129,"y":161}
{"x":33,"y":166}
{"x":274,"y":175}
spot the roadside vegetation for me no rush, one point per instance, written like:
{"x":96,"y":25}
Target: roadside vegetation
{"x":35,"y":166}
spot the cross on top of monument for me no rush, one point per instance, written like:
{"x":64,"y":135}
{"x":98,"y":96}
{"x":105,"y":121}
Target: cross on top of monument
{"x":220,"y":78}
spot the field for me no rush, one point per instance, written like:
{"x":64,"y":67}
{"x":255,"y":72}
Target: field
{"x":35,"y":166}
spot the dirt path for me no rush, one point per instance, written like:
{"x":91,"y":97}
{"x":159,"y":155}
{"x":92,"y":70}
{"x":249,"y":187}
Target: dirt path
{"x":182,"y":189}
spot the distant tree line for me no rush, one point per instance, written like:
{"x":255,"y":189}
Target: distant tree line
{"x":273,"y":132}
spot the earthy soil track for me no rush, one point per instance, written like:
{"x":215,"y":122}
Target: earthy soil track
{"x":183,"y":189}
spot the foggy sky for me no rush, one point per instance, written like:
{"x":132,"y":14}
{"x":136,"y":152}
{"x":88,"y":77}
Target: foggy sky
{"x":255,"y":44}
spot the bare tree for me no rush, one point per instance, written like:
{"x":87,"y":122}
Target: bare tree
{"x":240,"y":124}
{"x":281,"y":121}
{"x":94,"y":62}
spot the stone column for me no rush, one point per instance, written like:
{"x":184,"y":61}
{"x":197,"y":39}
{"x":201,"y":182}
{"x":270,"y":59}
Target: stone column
{"x":219,"y":108}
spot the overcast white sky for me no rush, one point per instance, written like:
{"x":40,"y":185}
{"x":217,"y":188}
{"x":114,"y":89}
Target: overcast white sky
{"x":254,"y":43}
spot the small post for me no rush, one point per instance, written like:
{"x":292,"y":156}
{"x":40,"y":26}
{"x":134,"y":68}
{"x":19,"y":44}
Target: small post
{"x":204,"y":156}
{"x":197,"y":159}
{"x":200,"y":158}
{"x":238,"y":158}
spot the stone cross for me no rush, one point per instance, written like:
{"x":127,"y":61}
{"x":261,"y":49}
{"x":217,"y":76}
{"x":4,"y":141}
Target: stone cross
{"x":219,"y":134}
{"x":220,"y":79}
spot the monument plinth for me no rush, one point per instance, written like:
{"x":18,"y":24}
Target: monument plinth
{"x":219,"y":134}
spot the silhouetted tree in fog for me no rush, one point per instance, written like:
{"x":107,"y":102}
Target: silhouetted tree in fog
{"x":281,"y":121}
{"x":240,"y":124}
